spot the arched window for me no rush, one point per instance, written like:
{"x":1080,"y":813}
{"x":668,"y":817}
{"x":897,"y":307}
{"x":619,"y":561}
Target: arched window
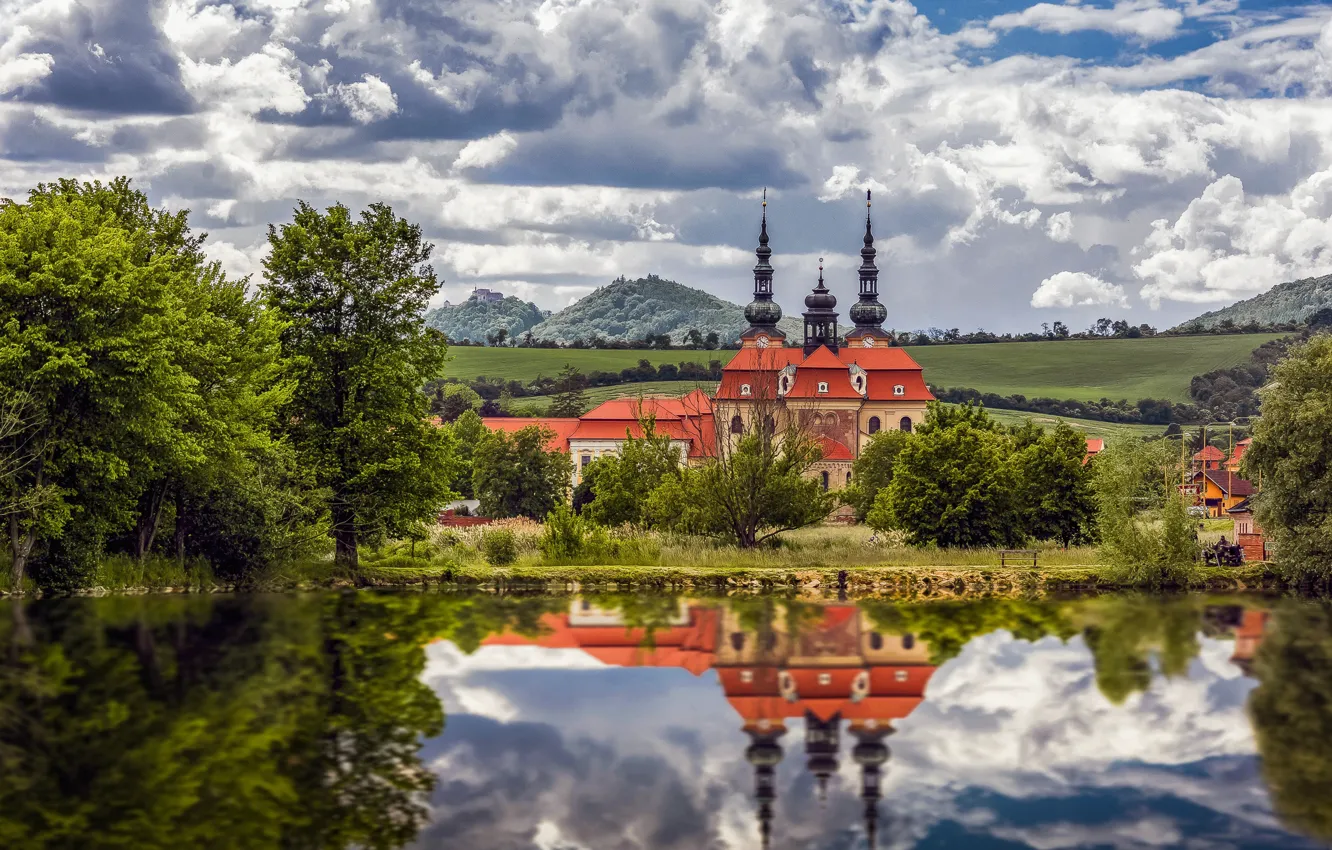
{"x":737,"y":424}
{"x":876,"y":640}
{"x":874,"y":425}
{"x":737,"y":641}
{"x":848,"y":479}
{"x":908,"y":640}
{"x":825,"y":480}
{"x":905,"y":424}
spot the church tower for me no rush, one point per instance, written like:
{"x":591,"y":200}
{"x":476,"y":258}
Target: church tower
{"x":871,"y":753}
{"x":763,"y":313}
{"x":820,"y":317}
{"x":765,"y":754}
{"x":867,"y":313}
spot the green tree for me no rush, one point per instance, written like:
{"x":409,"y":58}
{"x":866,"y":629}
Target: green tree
{"x":625,"y":480}
{"x":1292,"y":714}
{"x":449,"y":401}
{"x":756,"y":488}
{"x":1142,"y":521}
{"x":872,"y":471}
{"x":1054,"y":485}
{"x":518,"y":475}
{"x":468,"y":431}
{"x":352,"y":293}
{"x":570,"y":394}
{"x":953,"y":484}
{"x":92,"y":301}
{"x":1291,"y":456}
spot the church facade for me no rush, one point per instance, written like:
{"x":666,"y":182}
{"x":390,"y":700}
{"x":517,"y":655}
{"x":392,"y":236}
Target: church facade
{"x":842,"y":390}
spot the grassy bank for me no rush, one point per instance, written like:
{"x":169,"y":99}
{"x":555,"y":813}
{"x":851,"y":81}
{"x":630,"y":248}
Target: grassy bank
{"x":814,"y":561}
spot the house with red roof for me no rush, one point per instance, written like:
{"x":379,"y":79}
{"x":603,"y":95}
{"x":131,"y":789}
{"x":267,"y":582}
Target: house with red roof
{"x":1210,"y":457}
{"x":1220,"y":490}
{"x":1233,"y":462}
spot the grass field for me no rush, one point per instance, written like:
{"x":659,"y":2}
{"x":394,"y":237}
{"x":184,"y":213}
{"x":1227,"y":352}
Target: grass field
{"x":1075,"y":369}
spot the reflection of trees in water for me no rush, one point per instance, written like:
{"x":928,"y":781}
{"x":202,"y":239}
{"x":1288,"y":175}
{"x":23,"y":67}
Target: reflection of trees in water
{"x":948,"y":626}
{"x":1124,"y":630}
{"x":199,"y":722}
{"x":1292,"y":715}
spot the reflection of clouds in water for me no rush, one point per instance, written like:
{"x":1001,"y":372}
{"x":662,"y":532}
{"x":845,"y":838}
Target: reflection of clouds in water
{"x":1011,"y":735}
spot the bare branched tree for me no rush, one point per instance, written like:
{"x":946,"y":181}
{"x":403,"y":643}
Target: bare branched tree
{"x":24,"y":487}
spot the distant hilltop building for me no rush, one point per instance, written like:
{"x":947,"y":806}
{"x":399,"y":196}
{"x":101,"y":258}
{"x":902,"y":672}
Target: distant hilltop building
{"x":487,"y":294}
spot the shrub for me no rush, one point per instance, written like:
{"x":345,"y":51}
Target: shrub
{"x":562,"y":539}
{"x":499,"y":547}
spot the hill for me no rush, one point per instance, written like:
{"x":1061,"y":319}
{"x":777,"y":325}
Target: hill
{"x":633,"y":309}
{"x":1285,"y":302}
{"x":1159,"y":367}
{"x":475,"y":319}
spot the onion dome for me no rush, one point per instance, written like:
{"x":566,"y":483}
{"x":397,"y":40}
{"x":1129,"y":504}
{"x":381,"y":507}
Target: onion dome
{"x":820,"y":317}
{"x":763,"y":313}
{"x":867,"y":313}
{"x":821,"y":298}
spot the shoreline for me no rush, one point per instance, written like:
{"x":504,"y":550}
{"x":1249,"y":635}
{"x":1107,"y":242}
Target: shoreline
{"x":860,"y":581}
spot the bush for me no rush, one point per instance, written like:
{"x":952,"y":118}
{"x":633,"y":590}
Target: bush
{"x":499,"y":548}
{"x":69,"y":563}
{"x":562,"y":539}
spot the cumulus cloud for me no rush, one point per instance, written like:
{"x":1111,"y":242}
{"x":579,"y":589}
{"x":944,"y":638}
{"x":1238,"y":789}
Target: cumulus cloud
{"x":1077,"y":289}
{"x":369,"y":100}
{"x":557,"y":145}
{"x":1228,"y":245}
{"x":1148,"y":20}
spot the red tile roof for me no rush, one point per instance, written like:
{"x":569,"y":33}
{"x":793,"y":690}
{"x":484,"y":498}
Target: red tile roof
{"x":886,"y":369}
{"x":833,"y":450}
{"x":1210,"y":453}
{"x":822,"y":358}
{"x":686,"y":418}
{"x":837,"y":381}
{"x":560,"y":429}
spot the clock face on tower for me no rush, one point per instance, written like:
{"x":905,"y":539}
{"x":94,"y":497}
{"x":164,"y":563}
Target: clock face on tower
{"x":761,"y":342}
{"x":868,"y":342}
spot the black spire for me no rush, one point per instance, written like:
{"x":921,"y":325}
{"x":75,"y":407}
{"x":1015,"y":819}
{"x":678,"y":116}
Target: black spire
{"x":820,"y":317}
{"x":822,"y":743}
{"x":765,"y":754}
{"x":871,"y":753}
{"x":763,"y":313}
{"x":867,"y":313}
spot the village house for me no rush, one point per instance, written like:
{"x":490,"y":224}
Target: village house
{"x":1220,"y":491}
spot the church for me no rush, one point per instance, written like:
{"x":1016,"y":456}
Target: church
{"x":842,"y":390}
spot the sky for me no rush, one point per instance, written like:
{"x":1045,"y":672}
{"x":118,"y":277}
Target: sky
{"x":1030,"y":162}
{"x":1014,"y":747}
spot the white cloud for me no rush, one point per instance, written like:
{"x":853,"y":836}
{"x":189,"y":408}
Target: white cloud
{"x":1077,"y":289}
{"x":23,"y":69}
{"x":1147,"y":20}
{"x":1227,"y":245}
{"x":482,"y":153}
{"x":1060,"y":227}
{"x":369,"y":100}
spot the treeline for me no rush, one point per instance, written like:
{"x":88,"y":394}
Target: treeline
{"x":1147,"y":411}
{"x":694,"y":340}
{"x":150,"y":406}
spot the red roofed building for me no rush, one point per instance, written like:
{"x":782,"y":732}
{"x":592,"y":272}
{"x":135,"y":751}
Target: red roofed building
{"x":1209,"y":458}
{"x":1233,"y":462}
{"x":1094,"y":447}
{"x":838,"y":670}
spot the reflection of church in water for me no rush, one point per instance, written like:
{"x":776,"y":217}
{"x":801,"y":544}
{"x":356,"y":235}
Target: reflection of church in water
{"x":833,"y":670}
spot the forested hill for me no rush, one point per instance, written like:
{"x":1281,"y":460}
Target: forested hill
{"x":475,"y":320}
{"x":1285,"y":302}
{"x":633,"y":309}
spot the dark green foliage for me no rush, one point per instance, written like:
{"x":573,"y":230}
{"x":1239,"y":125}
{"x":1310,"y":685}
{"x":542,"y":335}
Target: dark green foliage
{"x":562,"y":535}
{"x":476,"y":320}
{"x":352,"y":292}
{"x":1053,"y":485}
{"x":624,"y":481}
{"x":517,"y":475}
{"x":1291,"y":455}
{"x":1292,"y":715}
{"x":1142,"y":523}
{"x":948,"y":626}
{"x":570,"y":394}
{"x":873,"y":469}
{"x":468,"y":431}
{"x":499,"y":548}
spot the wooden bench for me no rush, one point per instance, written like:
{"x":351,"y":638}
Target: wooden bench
{"x":1014,"y":557}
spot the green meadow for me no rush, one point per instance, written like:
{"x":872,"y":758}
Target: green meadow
{"x":1088,"y":370}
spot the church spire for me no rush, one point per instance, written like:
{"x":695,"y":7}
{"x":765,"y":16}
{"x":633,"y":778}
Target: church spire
{"x":820,"y":317}
{"x":867,"y":313}
{"x":762,"y":313}
{"x":765,"y":754}
{"x":871,"y":753}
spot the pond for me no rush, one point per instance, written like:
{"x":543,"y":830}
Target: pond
{"x":474,"y":721}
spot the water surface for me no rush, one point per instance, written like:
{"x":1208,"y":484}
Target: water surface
{"x":433,"y":720}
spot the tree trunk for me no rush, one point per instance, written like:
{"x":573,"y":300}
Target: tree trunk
{"x":20,"y":547}
{"x":181,"y":528}
{"x":344,"y":537}
{"x":150,"y":519}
